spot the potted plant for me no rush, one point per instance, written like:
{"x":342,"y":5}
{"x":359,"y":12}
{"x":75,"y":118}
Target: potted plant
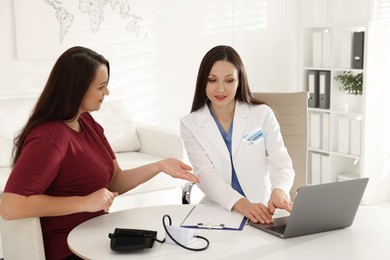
{"x":352,"y":84}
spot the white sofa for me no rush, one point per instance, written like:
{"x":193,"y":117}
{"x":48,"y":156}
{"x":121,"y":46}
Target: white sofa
{"x":134,"y":145}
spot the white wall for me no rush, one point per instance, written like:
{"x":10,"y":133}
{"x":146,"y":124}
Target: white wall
{"x":155,"y":71}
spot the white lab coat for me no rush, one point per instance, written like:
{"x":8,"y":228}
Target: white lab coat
{"x":260,"y":168}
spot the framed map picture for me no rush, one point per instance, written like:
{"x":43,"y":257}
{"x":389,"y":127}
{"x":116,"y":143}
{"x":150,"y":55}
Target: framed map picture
{"x":62,"y":24}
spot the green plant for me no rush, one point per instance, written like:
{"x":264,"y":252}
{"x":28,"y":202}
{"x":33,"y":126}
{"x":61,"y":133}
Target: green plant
{"x":351,"y":83}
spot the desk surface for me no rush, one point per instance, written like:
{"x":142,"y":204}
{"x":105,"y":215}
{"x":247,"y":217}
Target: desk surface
{"x":90,"y":239}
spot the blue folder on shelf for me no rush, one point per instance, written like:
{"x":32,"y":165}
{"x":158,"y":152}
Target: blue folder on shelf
{"x":213,"y":217}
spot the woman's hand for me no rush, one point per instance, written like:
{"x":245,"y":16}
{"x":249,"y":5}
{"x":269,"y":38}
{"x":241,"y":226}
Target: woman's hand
{"x":177,"y":169}
{"x":255,"y":212}
{"x":99,"y":200}
{"x":279,"y":199}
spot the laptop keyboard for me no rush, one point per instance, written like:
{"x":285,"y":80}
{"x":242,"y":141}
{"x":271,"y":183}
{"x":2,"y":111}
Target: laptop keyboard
{"x":278,"y":229}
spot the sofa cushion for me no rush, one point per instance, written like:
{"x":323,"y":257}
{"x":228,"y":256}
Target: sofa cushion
{"x":158,"y":182}
{"x":4,"y":174}
{"x":118,"y":125}
{"x":119,"y":128}
{"x":152,"y":198}
{"x":13,"y":115}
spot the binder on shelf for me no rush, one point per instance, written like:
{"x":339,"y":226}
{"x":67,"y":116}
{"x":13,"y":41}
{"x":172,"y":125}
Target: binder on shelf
{"x":346,"y":49}
{"x":317,"y":49}
{"x":324,"y":89}
{"x":357,"y":50}
{"x":326,"y":49}
{"x":356,"y":126}
{"x":325,"y":169}
{"x":326,"y":131}
{"x":315,"y":168}
{"x":343,"y":130}
{"x":313,"y":88}
{"x":315,"y":130}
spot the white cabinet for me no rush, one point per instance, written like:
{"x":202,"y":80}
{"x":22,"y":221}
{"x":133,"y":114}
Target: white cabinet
{"x":336,"y":126}
{"x":354,"y":141}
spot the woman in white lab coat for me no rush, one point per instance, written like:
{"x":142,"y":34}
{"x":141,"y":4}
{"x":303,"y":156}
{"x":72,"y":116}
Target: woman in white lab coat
{"x":234,"y":142}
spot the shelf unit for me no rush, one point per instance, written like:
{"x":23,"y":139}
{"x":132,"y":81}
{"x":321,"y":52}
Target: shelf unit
{"x":330,"y":157}
{"x":339,"y":17}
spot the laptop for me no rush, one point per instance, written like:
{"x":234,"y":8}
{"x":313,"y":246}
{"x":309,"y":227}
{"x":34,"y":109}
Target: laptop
{"x":319,"y":208}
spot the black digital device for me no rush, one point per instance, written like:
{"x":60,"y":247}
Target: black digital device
{"x":131,"y":239}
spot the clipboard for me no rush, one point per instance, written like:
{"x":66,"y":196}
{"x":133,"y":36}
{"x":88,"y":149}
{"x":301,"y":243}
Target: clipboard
{"x":213,"y":217}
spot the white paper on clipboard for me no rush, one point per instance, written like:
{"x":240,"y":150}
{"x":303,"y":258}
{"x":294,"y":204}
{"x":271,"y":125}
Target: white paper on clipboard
{"x":213,"y":217}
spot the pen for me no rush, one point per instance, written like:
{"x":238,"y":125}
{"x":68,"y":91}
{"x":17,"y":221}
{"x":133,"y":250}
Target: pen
{"x":210,"y":226}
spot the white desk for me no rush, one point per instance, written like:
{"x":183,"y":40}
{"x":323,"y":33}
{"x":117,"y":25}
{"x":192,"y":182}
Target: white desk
{"x":90,"y":239}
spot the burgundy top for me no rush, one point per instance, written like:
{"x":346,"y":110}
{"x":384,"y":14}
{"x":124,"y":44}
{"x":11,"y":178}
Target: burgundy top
{"x":58,"y":161}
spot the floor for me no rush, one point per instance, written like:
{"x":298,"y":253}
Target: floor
{"x":385,"y":204}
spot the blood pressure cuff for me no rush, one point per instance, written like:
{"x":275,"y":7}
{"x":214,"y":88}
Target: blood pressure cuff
{"x":131,"y":239}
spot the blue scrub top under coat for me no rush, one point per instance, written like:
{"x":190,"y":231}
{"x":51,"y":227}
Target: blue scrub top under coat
{"x":227,"y":137}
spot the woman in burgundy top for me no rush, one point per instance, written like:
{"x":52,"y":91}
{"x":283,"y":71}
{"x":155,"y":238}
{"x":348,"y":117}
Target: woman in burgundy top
{"x":64,"y":170}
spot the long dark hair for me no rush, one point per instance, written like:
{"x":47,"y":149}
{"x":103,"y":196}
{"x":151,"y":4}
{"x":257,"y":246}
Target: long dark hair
{"x":66,"y":86}
{"x":224,"y":53}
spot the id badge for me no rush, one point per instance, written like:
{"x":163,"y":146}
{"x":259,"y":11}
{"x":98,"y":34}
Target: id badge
{"x":253,"y":137}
